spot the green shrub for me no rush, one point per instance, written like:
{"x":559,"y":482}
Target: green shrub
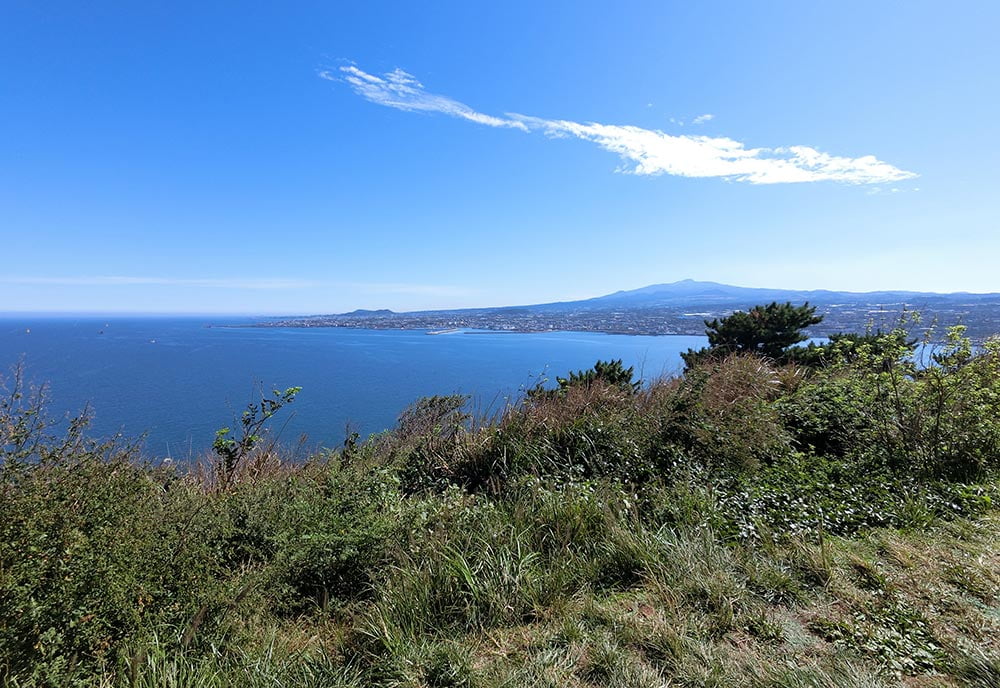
{"x":428,"y":435}
{"x":96,"y":550}
{"x":827,"y":414}
{"x":606,"y":373}
{"x":330,"y":535}
{"x":942,"y":420}
{"x":726,"y":416}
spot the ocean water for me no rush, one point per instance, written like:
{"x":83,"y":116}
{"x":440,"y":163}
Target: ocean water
{"x":177,"y":380}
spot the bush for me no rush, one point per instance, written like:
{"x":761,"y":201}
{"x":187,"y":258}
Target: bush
{"x":587,"y":431}
{"x":331,"y":533}
{"x":428,"y":435}
{"x":606,"y":373}
{"x":828,"y":415}
{"x":725,"y":415}
{"x":96,"y":550}
{"x":940,"y":420}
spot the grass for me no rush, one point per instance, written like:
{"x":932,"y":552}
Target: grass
{"x":689,"y":533}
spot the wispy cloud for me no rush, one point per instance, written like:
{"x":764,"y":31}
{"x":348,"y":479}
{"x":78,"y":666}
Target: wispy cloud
{"x":701,"y":119}
{"x":406,"y":288}
{"x":644,"y":151}
{"x":133,"y":281}
{"x":402,"y":91}
{"x":234,"y":283}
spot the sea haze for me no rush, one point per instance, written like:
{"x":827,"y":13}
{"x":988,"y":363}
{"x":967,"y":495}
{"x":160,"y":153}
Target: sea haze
{"x":178,"y":380}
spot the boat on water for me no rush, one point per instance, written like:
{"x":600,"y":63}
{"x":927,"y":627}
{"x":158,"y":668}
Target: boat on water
{"x":453,"y":330}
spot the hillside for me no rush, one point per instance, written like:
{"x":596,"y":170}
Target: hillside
{"x":748,"y":524}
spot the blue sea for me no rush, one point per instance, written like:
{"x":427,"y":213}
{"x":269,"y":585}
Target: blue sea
{"x":176,"y":380}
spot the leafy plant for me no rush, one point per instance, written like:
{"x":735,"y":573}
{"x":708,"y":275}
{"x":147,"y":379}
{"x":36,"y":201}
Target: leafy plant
{"x":231,"y":449}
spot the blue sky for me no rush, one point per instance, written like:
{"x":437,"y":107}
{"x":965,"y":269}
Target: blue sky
{"x":316,"y":157}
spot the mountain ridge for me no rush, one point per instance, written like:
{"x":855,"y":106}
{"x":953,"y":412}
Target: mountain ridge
{"x":697,"y":292}
{"x":684,"y":306}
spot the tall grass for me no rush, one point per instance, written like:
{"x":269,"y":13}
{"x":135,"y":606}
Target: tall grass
{"x":747,"y":524}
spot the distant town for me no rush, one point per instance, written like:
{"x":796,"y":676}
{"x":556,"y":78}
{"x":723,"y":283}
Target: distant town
{"x":682,"y":308}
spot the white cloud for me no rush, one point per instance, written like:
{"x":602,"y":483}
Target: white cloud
{"x":402,"y":91}
{"x":645,"y":151}
{"x":701,"y":119}
{"x":652,"y":152}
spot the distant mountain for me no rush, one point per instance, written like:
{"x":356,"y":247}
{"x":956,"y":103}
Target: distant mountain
{"x":363,"y":312}
{"x":682,"y":308}
{"x":690,"y":292}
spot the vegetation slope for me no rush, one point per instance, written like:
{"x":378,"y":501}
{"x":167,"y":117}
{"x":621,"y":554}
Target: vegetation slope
{"x":818,"y":516}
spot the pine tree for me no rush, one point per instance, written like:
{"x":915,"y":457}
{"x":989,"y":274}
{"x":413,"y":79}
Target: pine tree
{"x":764,"y":330}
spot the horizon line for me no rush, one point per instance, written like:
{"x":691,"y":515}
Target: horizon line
{"x":292,"y":314}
